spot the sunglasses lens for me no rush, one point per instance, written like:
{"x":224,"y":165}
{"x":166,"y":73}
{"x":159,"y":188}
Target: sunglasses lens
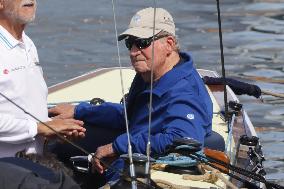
{"x":143,"y":43}
{"x":129,"y":43}
{"x":140,"y":43}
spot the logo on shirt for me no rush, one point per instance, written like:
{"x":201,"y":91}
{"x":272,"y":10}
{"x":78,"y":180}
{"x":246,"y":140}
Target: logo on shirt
{"x":5,"y":71}
{"x":18,"y":68}
{"x":190,"y":116}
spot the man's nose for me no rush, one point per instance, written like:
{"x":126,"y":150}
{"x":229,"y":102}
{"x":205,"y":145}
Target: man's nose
{"x":134,"y":50}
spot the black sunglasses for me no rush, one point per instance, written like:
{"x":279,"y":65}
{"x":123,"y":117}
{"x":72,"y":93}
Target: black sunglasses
{"x":140,"y":43}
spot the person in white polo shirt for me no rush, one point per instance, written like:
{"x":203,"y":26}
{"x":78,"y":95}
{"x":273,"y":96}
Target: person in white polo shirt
{"x":22,"y":81}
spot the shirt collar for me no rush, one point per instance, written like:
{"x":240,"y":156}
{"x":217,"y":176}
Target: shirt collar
{"x":180,"y":71}
{"x":27,"y":42}
{"x":7,"y":39}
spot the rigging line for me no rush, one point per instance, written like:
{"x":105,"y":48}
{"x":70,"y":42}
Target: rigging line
{"x":229,"y":166}
{"x":222,"y":62}
{"x":221,"y":170}
{"x":148,"y":148}
{"x":239,"y":170}
{"x":131,"y":165}
{"x":74,"y":144}
{"x":56,"y":133}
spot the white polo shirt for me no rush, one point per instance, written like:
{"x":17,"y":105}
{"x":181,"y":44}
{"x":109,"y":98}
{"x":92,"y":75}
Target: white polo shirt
{"x":22,"y":81}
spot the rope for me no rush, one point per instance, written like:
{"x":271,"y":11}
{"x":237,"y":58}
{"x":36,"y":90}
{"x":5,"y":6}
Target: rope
{"x":239,"y":170}
{"x":148,"y":147}
{"x":212,"y":177}
{"x":106,"y":186}
{"x":74,"y":144}
{"x":131,"y":165}
{"x":218,"y":174}
{"x":231,"y":167}
{"x":230,"y":136}
{"x":262,"y":79}
{"x":222,"y":61}
{"x":168,"y":185}
{"x":56,"y":133}
{"x":272,"y":93}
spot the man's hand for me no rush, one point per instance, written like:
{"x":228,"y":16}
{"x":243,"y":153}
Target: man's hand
{"x":68,"y":127}
{"x":62,"y":111}
{"x":105,"y":151}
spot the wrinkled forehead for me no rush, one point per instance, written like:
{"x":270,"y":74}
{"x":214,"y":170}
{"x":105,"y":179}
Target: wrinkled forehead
{"x":18,"y":1}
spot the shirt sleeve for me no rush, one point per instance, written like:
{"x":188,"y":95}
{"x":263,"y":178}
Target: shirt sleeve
{"x":110,"y":115}
{"x":16,"y":131}
{"x":186,"y":118}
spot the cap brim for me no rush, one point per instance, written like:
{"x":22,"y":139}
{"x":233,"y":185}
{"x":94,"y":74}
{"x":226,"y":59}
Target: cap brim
{"x":138,"y":32}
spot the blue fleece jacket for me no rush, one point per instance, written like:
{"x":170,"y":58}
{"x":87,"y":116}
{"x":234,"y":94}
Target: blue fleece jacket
{"x":181,"y":108}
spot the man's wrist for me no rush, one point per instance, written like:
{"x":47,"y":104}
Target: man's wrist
{"x":74,"y":111}
{"x":111,"y":150}
{"x":42,"y":129}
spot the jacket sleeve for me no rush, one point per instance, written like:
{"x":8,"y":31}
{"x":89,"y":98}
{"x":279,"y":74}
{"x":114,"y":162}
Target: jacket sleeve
{"x":108,"y":114}
{"x":16,"y":131}
{"x":185,"y":118}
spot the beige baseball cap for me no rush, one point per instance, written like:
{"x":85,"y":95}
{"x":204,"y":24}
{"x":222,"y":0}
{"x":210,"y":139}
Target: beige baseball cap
{"x":141,"y":24}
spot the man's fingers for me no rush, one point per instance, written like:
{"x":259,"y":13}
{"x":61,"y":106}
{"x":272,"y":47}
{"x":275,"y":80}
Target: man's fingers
{"x":73,"y":124}
{"x":61,"y":116}
{"x":98,"y":166}
{"x":75,"y":133}
{"x":81,"y":134}
{"x":81,"y":123}
{"x":77,"y":128}
{"x":66,"y":133}
{"x":52,"y":111}
{"x":62,"y":111}
{"x":68,"y":127}
{"x":74,"y":128}
{"x":74,"y":121}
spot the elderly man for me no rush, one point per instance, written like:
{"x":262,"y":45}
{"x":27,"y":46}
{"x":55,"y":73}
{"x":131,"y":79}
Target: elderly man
{"x":181,"y":105}
{"x":21,"y":81}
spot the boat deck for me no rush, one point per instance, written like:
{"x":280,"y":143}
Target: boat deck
{"x":106,"y":84}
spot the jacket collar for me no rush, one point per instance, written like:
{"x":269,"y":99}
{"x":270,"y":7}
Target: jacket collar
{"x":180,"y":71}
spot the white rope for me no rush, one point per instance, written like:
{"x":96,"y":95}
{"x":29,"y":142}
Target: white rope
{"x":228,"y":147}
{"x":280,"y":95}
{"x":148,"y":148}
{"x":131,"y":166}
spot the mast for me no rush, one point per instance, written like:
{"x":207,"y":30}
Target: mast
{"x":222,"y":63}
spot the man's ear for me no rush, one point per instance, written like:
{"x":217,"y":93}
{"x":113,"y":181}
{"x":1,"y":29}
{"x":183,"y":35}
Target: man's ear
{"x":170,"y":41}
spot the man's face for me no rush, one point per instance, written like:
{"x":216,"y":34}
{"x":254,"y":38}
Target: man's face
{"x":19,"y":11}
{"x":141,"y":59}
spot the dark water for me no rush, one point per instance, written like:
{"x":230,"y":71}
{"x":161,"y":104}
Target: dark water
{"x":74,"y":37}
